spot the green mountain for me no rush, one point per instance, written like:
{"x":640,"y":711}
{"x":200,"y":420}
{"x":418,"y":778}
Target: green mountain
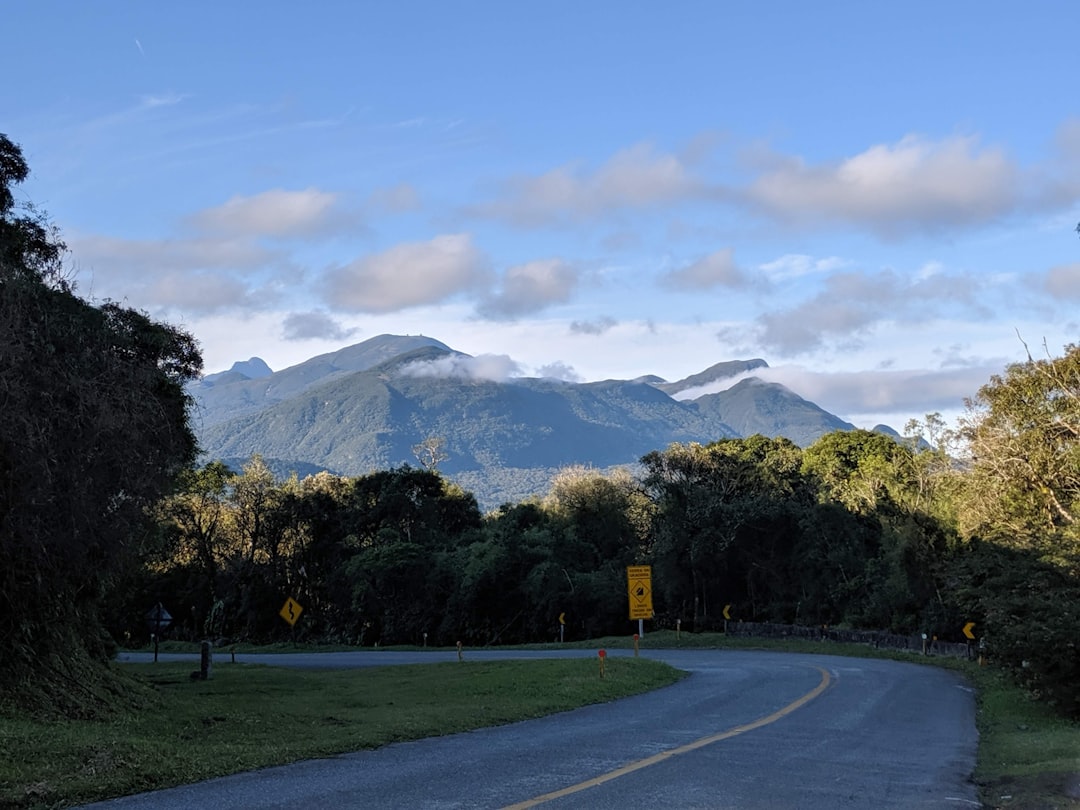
{"x":365,"y":407}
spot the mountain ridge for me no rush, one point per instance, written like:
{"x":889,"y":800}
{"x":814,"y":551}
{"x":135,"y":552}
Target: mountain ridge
{"x":366,"y":406}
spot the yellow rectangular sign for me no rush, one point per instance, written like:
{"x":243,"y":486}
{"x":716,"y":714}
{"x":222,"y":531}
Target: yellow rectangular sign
{"x":639,"y":590}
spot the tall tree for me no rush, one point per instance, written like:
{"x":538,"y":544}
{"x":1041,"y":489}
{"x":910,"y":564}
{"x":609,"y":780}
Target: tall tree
{"x":1023,"y":434}
{"x":93,"y":430}
{"x":708,"y":500}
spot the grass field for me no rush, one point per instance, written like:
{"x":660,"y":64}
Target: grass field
{"x":252,"y":716}
{"x":247,"y":716}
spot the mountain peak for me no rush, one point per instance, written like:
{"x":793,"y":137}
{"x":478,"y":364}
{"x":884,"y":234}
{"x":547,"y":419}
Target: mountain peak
{"x":252,"y":368}
{"x":717,"y":371}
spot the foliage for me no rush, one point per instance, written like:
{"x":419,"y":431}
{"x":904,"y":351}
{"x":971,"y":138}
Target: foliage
{"x":93,"y":430}
{"x":1023,"y":435}
{"x":857,"y":530}
{"x":102,"y":515}
{"x":1027,"y":611}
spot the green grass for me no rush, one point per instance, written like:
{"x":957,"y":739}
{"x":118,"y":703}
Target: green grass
{"x":1028,"y":756}
{"x":252,"y":716}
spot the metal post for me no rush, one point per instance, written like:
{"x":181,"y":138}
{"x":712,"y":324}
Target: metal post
{"x":205,"y":660}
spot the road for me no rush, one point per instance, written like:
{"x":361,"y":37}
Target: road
{"x":746,"y":730}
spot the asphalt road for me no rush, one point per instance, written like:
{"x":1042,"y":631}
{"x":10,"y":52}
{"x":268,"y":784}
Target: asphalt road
{"x":746,"y":730}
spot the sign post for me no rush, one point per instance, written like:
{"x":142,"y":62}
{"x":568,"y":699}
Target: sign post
{"x":970,"y":637}
{"x":562,"y":627}
{"x":158,"y":620}
{"x":639,"y":589}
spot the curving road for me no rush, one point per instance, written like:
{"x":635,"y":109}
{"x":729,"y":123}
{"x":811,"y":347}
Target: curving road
{"x":746,"y":730}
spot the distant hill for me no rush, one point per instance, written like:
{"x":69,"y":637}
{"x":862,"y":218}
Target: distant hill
{"x":365,"y":407}
{"x":771,"y":409}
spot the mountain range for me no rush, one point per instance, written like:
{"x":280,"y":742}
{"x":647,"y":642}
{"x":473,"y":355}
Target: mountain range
{"x":366,"y":407}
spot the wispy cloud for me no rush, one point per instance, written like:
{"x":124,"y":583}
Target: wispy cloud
{"x":1063,"y":281}
{"x":196,"y":275}
{"x":797,"y":265}
{"x":275,"y":214}
{"x":394,"y":200}
{"x":530,"y":288}
{"x":314,"y":326}
{"x":635,"y":178}
{"x":596,"y":326}
{"x":170,"y":99}
{"x":718,"y":269}
{"x":851,"y":303}
{"x":914,"y":185}
{"x":408,"y":275}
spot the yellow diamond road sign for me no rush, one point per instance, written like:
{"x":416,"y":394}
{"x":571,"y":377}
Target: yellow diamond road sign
{"x":639,"y":589}
{"x":291,"y":611}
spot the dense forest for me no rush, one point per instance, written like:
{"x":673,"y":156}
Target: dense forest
{"x":103,"y":515}
{"x":857,"y":530}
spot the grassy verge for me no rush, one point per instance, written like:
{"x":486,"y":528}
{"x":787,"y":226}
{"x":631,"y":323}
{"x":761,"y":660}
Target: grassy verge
{"x":1029,"y":759}
{"x":253,"y":716}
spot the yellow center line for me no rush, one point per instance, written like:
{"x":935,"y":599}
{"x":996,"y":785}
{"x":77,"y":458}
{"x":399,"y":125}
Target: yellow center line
{"x":826,"y":679}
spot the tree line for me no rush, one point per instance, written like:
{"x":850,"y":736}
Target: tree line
{"x":858,"y":530}
{"x":104,"y":514}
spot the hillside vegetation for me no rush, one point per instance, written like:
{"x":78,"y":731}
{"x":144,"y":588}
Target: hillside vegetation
{"x":105,"y":512}
{"x":365,"y":407}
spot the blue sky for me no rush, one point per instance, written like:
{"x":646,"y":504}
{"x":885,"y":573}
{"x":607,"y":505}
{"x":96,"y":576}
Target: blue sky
{"x":879,"y":200}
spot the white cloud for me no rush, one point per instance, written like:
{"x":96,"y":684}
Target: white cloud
{"x":915,"y":185}
{"x":559,"y":371}
{"x":161,"y":99}
{"x":141,"y":256}
{"x":797,"y":265}
{"x":529,"y":288}
{"x":1063,"y":281}
{"x":718,"y":269}
{"x":195,"y":292}
{"x":637,"y":177}
{"x":198,"y":275}
{"x":851,"y":304}
{"x":494,"y":367}
{"x":274,"y":213}
{"x":314,"y":326}
{"x":395,"y":199}
{"x":407,"y":275}
{"x":597,"y":326}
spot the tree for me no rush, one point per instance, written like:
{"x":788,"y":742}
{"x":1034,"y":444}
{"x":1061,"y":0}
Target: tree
{"x":1023,"y":435}
{"x":431,"y":452}
{"x":196,"y":517}
{"x":93,"y":430}
{"x":602,"y":525}
{"x":710,"y":500}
